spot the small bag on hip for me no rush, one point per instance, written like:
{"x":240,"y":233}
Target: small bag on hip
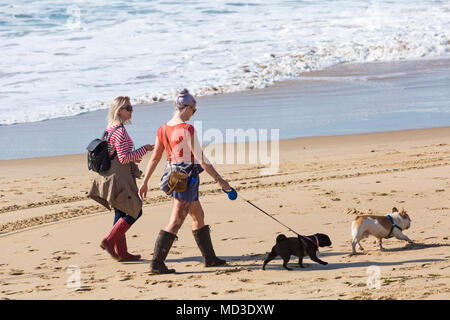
{"x":178,"y":181}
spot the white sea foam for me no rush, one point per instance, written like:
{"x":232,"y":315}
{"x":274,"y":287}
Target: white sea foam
{"x":61,"y":58}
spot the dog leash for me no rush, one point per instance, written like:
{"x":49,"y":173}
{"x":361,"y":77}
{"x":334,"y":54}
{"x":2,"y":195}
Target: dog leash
{"x":316,"y":243}
{"x":248,"y":201}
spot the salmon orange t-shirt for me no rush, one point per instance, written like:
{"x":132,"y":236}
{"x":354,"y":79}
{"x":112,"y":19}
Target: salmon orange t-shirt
{"x":179,"y":137}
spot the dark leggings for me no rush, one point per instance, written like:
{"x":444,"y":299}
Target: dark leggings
{"x":129,"y":219}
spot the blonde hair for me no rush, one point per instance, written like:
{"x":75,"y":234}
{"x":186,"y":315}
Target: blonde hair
{"x":117,"y":103}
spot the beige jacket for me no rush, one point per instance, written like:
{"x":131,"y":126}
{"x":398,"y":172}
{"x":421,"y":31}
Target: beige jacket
{"x":116,"y":188}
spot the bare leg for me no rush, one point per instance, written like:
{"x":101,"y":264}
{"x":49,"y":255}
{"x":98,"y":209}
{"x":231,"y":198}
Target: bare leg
{"x":180,"y":209}
{"x":197,"y":214}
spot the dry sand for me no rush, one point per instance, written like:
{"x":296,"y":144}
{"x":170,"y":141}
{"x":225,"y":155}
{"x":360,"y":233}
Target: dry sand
{"x":47,"y":226}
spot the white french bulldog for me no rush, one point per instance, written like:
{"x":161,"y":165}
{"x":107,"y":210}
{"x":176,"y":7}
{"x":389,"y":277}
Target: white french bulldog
{"x":390,"y":225}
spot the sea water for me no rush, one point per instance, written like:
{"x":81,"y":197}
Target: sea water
{"x":63,"y":58}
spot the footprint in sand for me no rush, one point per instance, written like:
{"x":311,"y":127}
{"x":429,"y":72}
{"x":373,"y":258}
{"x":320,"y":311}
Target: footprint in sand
{"x":83,"y":289}
{"x":127,"y":277}
{"x":10,"y":292}
{"x":59,"y":258}
{"x":63,"y":255}
{"x":48,"y":277}
{"x":16,"y":272}
{"x":234,"y":291}
{"x":43,"y":288}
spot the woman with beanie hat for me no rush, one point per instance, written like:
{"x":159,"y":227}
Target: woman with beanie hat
{"x":183,"y":154}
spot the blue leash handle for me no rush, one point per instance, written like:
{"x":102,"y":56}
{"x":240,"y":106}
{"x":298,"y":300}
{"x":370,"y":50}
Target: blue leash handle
{"x":232,"y":194}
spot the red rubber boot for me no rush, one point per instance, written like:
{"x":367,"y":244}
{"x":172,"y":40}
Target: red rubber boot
{"x":122,"y":251}
{"x":116,"y":233}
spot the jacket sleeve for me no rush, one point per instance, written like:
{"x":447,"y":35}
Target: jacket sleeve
{"x":124,"y":147}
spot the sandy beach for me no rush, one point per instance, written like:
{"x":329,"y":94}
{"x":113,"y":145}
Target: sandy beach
{"x":50,"y":232}
{"x":345,"y":105}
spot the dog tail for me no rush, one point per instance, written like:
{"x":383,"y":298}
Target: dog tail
{"x":281,"y":237}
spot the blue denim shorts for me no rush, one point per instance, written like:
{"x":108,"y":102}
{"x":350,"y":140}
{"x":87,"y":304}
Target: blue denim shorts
{"x":193,"y":170}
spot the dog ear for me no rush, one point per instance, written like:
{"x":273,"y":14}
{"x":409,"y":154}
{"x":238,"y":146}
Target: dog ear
{"x":403,"y":213}
{"x":394,"y":209}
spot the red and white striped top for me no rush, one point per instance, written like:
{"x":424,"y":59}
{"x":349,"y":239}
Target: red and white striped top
{"x":121,"y":141}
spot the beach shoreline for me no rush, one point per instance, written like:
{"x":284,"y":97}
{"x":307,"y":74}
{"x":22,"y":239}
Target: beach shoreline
{"x":308,"y":140}
{"x":345,"y":99}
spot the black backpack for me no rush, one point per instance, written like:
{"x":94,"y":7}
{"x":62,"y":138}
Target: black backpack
{"x":98,"y":157}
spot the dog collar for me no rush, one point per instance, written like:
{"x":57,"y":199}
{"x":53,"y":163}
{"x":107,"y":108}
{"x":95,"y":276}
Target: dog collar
{"x":316,"y":243}
{"x":393,"y":225}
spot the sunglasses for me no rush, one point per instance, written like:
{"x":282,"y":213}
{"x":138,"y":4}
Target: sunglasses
{"x":129,"y":108}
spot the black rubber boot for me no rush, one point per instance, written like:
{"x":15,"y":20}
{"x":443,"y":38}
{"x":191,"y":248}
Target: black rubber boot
{"x":162,"y":246}
{"x":203,"y":239}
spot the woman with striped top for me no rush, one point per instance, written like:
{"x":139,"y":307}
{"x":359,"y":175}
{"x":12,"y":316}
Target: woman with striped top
{"x":120,"y":113}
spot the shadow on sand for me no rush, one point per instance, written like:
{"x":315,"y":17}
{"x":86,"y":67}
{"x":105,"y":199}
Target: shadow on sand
{"x":255,"y":261}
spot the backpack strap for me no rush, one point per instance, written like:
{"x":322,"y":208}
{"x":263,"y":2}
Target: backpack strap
{"x":109,"y":138}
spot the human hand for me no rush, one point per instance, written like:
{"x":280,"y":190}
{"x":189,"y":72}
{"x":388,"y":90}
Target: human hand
{"x":143,"y":191}
{"x":224,"y":184}
{"x":149,"y":147}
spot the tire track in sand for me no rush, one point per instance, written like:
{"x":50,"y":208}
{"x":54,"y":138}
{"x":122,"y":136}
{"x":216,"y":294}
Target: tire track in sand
{"x":71,"y":199}
{"x":88,"y":210}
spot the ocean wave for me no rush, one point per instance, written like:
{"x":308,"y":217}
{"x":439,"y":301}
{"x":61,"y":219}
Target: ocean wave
{"x":149,"y":51}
